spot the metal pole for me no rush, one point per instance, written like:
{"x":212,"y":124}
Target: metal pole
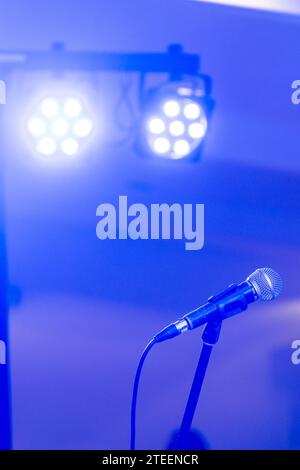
{"x":210,"y":338}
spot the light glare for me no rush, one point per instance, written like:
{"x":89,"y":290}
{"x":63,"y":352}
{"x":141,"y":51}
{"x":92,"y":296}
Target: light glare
{"x":60,"y":127}
{"x":181,"y":148}
{"x":83,"y":127}
{"x":70,"y":146}
{"x":156,"y":126}
{"x":197,"y":130}
{"x":171,"y":108}
{"x":49,"y":107}
{"x":192,"y":111}
{"x":161,"y":145}
{"x":46,"y":146}
{"x":177,"y":128}
{"x":36,"y":126}
{"x":72,"y":107}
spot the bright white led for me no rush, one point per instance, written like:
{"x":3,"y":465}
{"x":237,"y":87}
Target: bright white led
{"x":177,"y":128}
{"x":192,"y":111}
{"x":36,"y":126}
{"x":46,"y":146}
{"x":83,"y":127}
{"x":161,"y":145}
{"x":181,"y":148}
{"x":70,"y":146}
{"x":171,"y":108}
{"x":156,"y":126}
{"x":197,"y":130}
{"x":72,"y":107}
{"x":49,"y":107}
{"x":60,"y":127}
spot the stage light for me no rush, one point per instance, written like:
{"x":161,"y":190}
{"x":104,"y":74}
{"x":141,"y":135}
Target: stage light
{"x":175,"y":120}
{"x":59,"y":125}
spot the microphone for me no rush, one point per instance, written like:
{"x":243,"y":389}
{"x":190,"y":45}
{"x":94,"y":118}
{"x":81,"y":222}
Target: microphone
{"x":263,"y":284}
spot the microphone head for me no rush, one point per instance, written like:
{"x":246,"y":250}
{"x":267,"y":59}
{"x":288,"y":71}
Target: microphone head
{"x":266,"y":282}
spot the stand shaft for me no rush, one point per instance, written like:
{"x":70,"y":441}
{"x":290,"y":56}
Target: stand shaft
{"x":210,"y":337}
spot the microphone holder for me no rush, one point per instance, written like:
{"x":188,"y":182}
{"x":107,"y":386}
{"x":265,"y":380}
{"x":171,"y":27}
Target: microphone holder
{"x":210,"y":337}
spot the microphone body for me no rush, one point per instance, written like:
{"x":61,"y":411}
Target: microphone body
{"x":229,"y":302}
{"x":263,"y":284}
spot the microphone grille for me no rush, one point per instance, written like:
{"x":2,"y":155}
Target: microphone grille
{"x":267,"y":283}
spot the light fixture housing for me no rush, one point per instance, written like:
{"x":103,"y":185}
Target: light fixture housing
{"x":174,"y":119}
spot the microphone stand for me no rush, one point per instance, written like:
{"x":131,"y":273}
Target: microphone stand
{"x":210,"y":337}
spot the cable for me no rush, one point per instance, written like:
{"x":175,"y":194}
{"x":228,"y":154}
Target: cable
{"x":135,"y":391}
{"x":125,"y":102}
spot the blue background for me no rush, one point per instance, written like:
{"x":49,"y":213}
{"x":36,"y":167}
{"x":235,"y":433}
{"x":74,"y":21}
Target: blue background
{"x":88,"y":307}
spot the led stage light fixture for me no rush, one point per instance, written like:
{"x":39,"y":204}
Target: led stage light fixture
{"x":174,"y":120}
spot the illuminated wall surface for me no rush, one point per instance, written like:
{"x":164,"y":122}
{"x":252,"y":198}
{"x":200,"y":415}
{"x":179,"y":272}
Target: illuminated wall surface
{"x":83,"y":309}
{"x":282,"y":6}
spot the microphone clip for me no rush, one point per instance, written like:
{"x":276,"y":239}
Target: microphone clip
{"x":232,"y":300}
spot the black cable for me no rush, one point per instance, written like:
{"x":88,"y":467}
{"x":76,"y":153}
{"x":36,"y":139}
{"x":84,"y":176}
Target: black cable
{"x":135,"y":391}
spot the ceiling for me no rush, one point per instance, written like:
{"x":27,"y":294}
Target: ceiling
{"x":282,"y":6}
